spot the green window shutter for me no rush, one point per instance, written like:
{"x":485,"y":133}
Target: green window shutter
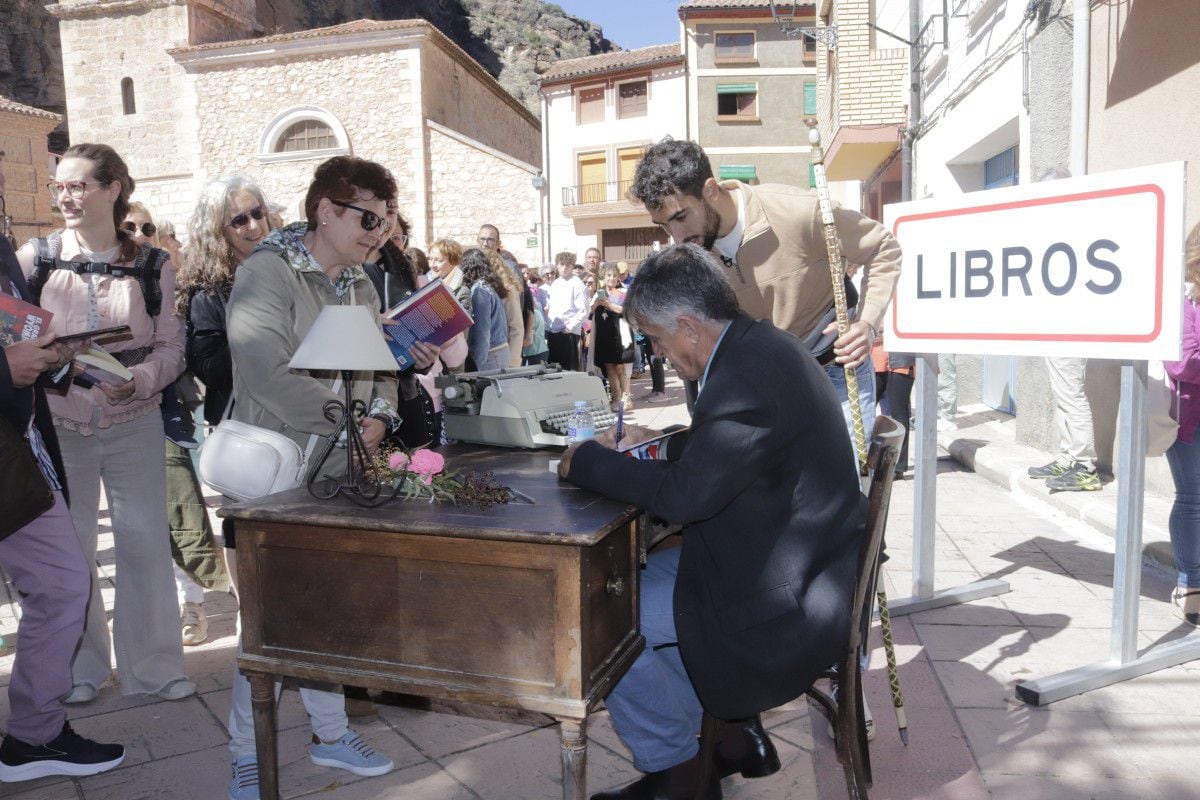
{"x":737,"y":172}
{"x":812,"y":176}
{"x":810,"y":97}
{"x":736,"y":88}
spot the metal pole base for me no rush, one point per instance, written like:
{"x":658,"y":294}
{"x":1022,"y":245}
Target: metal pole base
{"x":949,"y":597}
{"x":1041,"y":691}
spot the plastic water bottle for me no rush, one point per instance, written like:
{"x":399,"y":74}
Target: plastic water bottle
{"x":581,"y":426}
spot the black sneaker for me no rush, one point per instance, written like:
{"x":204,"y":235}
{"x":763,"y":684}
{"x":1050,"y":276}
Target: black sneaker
{"x":1051,"y":470}
{"x":1079,"y":478}
{"x":67,"y":754}
{"x":181,"y":431}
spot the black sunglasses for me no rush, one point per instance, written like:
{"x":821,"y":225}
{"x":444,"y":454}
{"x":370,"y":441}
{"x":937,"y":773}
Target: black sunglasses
{"x":370,"y":221}
{"x":148,"y":228}
{"x":243,"y":219}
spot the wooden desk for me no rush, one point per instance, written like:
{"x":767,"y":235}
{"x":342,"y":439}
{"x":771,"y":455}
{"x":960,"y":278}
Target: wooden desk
{"x":528,"y":606}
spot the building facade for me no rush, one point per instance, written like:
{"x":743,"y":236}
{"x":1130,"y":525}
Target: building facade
{"x":750,"y":84}
{"x":178,"y":88}
{"x":25,"y":169}
{"x":599,"y":113}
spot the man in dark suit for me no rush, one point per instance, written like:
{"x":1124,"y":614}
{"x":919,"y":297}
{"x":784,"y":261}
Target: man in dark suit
{"x":764,"y":482}
{"x":45,"y":563}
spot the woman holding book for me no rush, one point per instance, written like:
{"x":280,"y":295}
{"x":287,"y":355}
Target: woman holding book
{"x":278,"y":294}
{"x":112,"y":429}
{"x":487,"y":338}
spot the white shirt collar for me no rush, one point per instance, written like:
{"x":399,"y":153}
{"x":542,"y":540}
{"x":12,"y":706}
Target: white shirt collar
{"x":728,"y":244}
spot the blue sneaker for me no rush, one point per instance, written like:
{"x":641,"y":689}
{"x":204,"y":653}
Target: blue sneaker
{"x":244,"y":783}
{"x":352,"y":754}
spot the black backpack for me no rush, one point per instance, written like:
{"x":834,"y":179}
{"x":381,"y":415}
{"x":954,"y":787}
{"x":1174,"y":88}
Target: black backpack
{"x":146,"y":268}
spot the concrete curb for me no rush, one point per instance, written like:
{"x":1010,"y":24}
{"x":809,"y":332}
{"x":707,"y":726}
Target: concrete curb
{"x":988,"y":450}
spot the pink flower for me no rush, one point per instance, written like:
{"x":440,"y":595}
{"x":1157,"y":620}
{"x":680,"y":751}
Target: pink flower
{"x":426,"y":462}
{"x":397,"y":461}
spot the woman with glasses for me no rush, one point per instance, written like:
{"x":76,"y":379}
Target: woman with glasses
{"x":279,"y":291}
{"x":112,"y":432}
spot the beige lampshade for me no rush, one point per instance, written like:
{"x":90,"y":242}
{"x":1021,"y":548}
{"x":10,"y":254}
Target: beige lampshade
{"x":344,"y":338}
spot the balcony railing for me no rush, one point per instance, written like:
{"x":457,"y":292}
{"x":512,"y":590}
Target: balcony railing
{"x":586,"y":193}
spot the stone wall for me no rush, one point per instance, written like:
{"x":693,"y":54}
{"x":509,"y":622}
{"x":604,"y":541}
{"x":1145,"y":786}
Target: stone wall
{"x":470,"y":185}
{"x":381,"y":118}
{"x":25,"y":172}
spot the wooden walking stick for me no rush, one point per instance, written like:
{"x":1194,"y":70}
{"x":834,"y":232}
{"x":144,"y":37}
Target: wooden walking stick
{"x":837,"y":272}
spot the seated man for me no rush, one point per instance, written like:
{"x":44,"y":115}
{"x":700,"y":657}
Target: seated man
{"x":756,"y":603}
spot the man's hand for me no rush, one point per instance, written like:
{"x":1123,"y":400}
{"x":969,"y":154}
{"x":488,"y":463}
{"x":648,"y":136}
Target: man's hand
{"x":118,"y":393}
{"x":853,"y":348}
{"x":373,"y":432}
{"x":632,"y":433}
{"x":564,"y":464}
{"x":424,"y":354}
{"x":29,"y":359}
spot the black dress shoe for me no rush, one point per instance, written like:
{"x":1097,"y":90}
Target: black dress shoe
{"x":745,"y":747}
{"x":676,"y":783}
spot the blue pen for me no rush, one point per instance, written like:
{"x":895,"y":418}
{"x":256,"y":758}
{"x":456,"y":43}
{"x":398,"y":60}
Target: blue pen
{"x":620,"y":421}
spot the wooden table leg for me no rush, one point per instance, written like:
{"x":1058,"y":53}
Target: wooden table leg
{"x":262,"y":699}
{"x":574,"y":758}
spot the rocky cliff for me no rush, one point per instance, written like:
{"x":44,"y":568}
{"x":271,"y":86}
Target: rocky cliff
{"x":514,"y":40}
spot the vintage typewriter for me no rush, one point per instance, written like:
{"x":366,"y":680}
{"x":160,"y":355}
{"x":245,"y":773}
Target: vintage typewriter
{"x":520,"y":406}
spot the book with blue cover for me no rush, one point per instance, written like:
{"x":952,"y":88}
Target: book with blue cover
{"x":432,"y":314}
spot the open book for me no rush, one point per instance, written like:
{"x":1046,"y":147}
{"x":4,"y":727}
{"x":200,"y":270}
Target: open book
{"x":652,"y":449}
{"x":102,"y":367}
{"x":431,"y":314}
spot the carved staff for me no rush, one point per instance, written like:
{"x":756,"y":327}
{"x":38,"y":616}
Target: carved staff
{"x":837,"y":272}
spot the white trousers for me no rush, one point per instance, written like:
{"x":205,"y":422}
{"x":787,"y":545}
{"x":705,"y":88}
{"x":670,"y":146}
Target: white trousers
{"x":1076,"y":437}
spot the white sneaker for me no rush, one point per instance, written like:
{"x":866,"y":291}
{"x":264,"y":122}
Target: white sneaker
{"x":81,"y":693}
{"x":195,"y":624}
{"x":177,"y":690}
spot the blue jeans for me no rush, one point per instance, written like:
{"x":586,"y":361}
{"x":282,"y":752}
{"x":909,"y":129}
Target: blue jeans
{"x":865,"y":372}
{"x":1184,"y":460}
{"x":654,"y":707}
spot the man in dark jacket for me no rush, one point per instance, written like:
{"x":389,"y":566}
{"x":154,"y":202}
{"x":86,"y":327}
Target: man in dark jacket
{"x":47,"y":567}
{"x":758,"y":597}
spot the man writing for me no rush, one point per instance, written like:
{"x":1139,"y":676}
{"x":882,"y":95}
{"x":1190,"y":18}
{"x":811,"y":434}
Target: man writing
{"x":764,"y":483}
{"x":771,"y":240}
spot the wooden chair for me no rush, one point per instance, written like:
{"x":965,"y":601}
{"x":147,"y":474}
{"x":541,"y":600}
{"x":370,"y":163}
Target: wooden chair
{"x":845,"y":707}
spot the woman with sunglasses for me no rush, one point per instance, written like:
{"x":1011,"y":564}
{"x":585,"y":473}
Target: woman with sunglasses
{"x":113,"y":430}
{"x":279,"y":291}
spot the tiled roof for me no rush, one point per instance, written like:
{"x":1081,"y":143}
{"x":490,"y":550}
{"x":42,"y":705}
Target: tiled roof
{"x":18,"y":108}
{"x":612,"y":62}
{"x":699,"y":5}
{"x":357,"y":26}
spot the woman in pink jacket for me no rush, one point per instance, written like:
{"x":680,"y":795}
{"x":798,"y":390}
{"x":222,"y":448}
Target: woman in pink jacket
{"x":1184,"y":455}
{"x":93,"y":275}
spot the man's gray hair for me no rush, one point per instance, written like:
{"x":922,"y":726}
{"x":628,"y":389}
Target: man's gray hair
{"x":682,"y":279}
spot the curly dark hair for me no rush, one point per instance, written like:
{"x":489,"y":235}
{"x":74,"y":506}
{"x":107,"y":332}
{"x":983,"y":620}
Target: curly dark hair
{"x":477,"y":266}
{"x":341,"y":178}
{"x":670,"y":167}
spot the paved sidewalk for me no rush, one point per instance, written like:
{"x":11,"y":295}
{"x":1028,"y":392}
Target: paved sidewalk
{"x":969,"y":736}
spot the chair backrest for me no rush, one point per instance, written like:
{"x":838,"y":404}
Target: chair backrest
{"x":881,"y":461}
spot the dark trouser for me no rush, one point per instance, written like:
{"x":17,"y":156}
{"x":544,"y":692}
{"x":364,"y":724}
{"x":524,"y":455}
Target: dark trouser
{"x":898,"y":399}
{"x":47,"y":566}
{"x":193,"y":546}
{"x":658,"y":380}
{"x":564,"y":350}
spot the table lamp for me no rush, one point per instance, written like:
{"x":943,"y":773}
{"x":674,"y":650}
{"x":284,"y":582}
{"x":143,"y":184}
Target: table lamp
{"x":346,"y":339}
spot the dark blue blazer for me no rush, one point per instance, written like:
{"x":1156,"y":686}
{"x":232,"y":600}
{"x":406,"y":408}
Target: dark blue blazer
{"x":18,"y":404}
{"x":768,"y":493}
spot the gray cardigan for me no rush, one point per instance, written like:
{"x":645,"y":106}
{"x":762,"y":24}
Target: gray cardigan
{"x":272,"y":307}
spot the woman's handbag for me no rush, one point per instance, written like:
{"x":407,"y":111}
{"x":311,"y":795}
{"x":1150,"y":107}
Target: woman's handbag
{"x":246,"y":462}
{"x":25,"y":495}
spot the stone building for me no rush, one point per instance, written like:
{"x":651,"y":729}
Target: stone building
{"x":180,"y":89}
{"x":25,"y":209}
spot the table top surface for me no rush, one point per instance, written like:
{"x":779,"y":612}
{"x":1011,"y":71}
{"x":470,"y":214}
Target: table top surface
{"x":562,"y":513}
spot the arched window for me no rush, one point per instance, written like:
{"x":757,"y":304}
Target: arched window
{"x":127,"y":96}
{"x":307,"y":134}
{"x":303,"y":132}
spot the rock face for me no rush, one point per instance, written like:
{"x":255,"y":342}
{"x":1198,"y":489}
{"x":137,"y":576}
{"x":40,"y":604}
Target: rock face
{"x":515,"y":40}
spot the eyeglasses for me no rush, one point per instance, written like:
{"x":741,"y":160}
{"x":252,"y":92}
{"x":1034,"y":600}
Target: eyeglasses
{"x":370,"y":220}
{"x":400,"y":239}
{"x":243,"y":219}
{"x":74,"y":189}
{"x":487,"y":239}
{"x":148,"y":228}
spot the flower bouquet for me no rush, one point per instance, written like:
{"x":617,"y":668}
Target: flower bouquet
{"x":421,"y":474}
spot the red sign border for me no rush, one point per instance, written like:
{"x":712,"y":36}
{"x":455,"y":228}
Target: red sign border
{"x":1150,"y":188}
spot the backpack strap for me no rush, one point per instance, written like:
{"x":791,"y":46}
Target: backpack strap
{"x":46,"y":250}
{"x":146,"y":268}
